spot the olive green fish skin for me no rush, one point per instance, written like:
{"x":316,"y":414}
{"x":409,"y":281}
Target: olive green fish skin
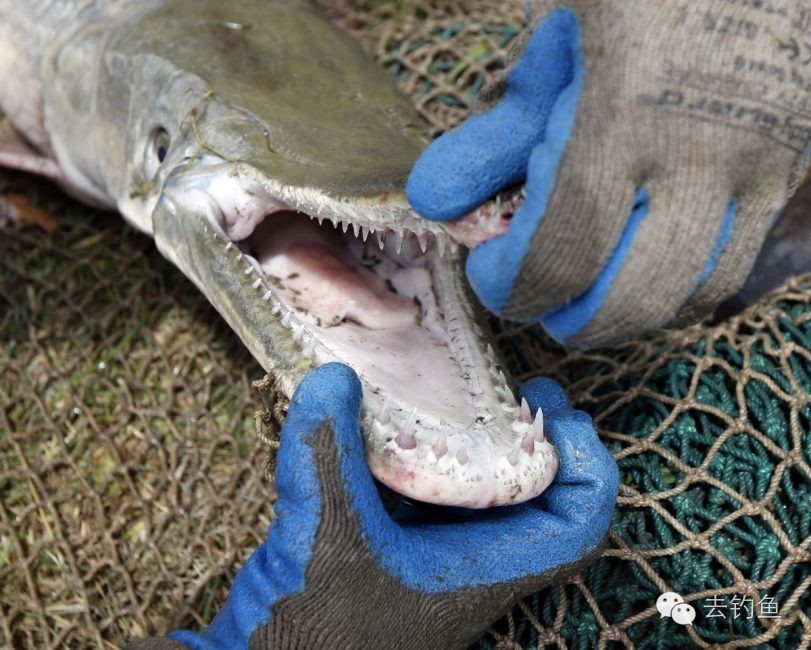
{"x":271,"y":84}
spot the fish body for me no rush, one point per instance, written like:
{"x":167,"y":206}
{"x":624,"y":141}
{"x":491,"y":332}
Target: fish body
{"x":267,"y":156}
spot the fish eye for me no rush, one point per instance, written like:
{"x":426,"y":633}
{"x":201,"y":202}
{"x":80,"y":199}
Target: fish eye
{"x":157,"y":150}
{"x":160,"y":144}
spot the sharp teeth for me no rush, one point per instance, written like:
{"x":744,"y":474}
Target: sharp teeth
{"x":441,"y":445}
{"x":406,"y":441}
{"x":229,"y":246}
{"x":309,"y":349}
{"x":286,"y":320}
{"x":299,"y":332}
{"x":512,"y":456}
{"x":440,"y":244}
{"x":365,"y":232}
{"x":334,"y":221}
{"x":275,"y":309}
{"x":268,"y":295}
{"x":400,"y":240}
{"x":526,"y":414}
{"x":249,"y":270}
{"x":412,"y":421}
{"x":407,"y":438}
{"x":384,"y":417}
{"x":381,"y":238}
{"x":257,"y":283}
{"x":344,"y":226}
{"x":502,"y":378}
{"x":423,"y":241}
{"x":537,"y":427}
{"x":462,"y":455}
{"x":528,"y":443}
{"x":356,"y":229}
{"x":490,"y":352}
{"x":418,"y":227}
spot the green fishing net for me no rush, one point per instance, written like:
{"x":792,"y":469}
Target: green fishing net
{"x":131,"y":487}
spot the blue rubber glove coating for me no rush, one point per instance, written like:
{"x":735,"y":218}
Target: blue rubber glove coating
{"x":486,"y":550}
{"x":523,"y":139}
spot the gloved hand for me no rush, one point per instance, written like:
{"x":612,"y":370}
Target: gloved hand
{"x":338,"y":571}
{"x":658,"y":141}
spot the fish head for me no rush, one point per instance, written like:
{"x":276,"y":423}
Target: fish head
{"x":267,"y":155}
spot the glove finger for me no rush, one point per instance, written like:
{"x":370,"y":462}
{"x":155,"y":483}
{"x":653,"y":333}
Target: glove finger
{"x":586,"y":486}
{"x":654,"y":269}
{"x":490,"y":151}
{"x":554,"y":251}
{"x":322,"y":424}
{"x":755,"y":214}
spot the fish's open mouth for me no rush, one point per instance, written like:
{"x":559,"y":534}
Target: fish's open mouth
{"x":380,"y":290}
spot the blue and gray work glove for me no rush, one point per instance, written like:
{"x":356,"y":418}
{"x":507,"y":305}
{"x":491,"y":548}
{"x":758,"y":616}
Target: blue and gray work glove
{"x":658,"y":142}
{"x":338,"y":571}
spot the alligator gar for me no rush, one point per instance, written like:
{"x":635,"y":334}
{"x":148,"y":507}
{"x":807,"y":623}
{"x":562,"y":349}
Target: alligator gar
{"x":266,"y":154}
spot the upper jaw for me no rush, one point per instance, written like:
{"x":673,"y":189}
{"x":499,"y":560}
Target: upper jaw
{"x":456,"y":435}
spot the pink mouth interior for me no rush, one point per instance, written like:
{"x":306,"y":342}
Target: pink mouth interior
{"x":373,"y":309}
{"x":316,"y":272}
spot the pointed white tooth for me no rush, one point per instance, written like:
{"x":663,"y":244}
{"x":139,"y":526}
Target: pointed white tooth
{"x":275,"y":309}
{"x":268,"y":295}
{"x":490,"y":352}
{"x":229,"y":246}
{"x":440,"y":244}
{"x":412,"y":421}
{"x":407,"y":438}
{"x":526,"y":414}
{"x":248,"y":270}
{"x":344,"y":226}
{"x":512,"y":456}
{"x":423,"y":241}
{"x":257,"y":283}
{"x":334,"y":221}
{"x":502,"y":378}
{"x":441,"y":445}
{"x":320,"y":219}
{"x":286,"y":320}
{"x":309,"y":349}
{"x":537,"y":427}
{"x":381,"y":239}
{"x":407,"y":441}
{"x":418,"y":227}
{"x":365,"y":232}
{"x":299,"y":332}
{"x":384,"y":417}
{"x":453,"y":246}
{"x":400,"y":240}
{"x":356,"y":229}
{"x":528,"y":443}
{"x":462,"y":455}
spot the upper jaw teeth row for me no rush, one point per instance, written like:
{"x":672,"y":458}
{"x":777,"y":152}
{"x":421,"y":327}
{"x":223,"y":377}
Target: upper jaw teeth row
{"x":417,"y":228}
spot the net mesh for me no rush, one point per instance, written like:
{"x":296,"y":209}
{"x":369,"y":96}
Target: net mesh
{"x":131,"y":485}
